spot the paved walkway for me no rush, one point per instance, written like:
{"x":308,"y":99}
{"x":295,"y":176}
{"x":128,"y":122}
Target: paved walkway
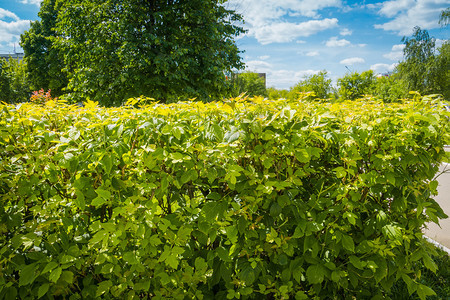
{"x":442,"y":234}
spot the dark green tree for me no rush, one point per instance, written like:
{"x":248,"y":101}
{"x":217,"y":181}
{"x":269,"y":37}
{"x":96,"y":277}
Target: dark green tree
{"x":5,"y":82}
{"x":44,"y":62}
{"x":319,"y":84}
{"x":249,"y":83}
{"x":355,"y":85}
{"x":275,"y":94}
{"x":165,"y":49}
{"x":389,"y":88}
{"x":14,"y":86}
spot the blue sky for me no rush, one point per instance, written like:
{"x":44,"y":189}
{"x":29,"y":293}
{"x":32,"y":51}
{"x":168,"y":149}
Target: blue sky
{"x":289,"y":39}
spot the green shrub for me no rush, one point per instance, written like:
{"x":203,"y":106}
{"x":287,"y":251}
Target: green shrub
{"x":319,"y":84}
{"x":356,"y":85}
{"x":242,"y":199}
{"x":249,"y":83}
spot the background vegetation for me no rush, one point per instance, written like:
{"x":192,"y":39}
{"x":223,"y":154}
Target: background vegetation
{"x":170,"y":50}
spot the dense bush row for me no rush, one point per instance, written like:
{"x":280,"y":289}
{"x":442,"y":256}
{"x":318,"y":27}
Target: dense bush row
{"x":242,"y":199}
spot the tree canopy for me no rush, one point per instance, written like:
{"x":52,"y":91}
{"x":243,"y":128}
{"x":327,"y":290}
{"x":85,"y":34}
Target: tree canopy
{"x":319,"y":84}
{"x":355,"y":85}
{"x":159,"y":48}
{"x":14,"y":85}
{"x":250,"y":83}
{"x":44,"y":62}
{"x":425,"y":69}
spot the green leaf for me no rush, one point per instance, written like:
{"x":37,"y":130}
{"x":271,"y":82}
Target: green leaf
{"x":347,"y":243}
{"x":429,"y":263}
{"x":80,"y":200}
{"x":356,"y":262}
{"x":172,"y":261}
{"x":301,"y":296}
{"x":247,"y":274}
{"x":392,"y":232}
{"x":154,"y":240}
{"x":27,"y":274}
{"x":423,"y":291}
{"x":98,"y":201}
{"x":67,"y":276}
{"x":351,"y":217}
{"x":99,"y":236}
{"x":340,"y":172}
{"x":50,"y":266}
{"x":302,"y":155}
{"x":410,"y":284}
{"x":176,"y":131}
{"x":189,"y":175}
{"x":103,"y":287}
{"x":43,"y":289}
{"x":130,"y":257}
{"x":103,"y":193}
{"x":381,"y":272}
{"x":55,"y":274}
{"x":223,"y":253}
{"x":200,"y":265}
{"x":107,"y":163}
{"x":316,"y":273}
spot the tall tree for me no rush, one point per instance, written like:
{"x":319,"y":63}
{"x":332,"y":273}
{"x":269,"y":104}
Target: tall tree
{"x":425,"y":69}
{"x":44,"y":62}
{"x":159,"y":48}
{"x":249,"y":83}
{"x":319,"y":83}
{"x":14,"y":86}
{"x":355,"y":85}
{"x":445,"y":17}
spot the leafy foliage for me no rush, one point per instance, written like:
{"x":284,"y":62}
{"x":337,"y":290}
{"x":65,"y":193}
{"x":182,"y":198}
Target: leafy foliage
{"x":14,"y":85}
{"x":44,"y":63}
{"x":319,"y":84}
{"x":162,"y":49}
{"x":439,"y":280}
{"x":242,"y":199}
{"x":424,"y":69}
{"x":390,"y":88}
{"x":249,"y":83}
{"x":275,"y":94}
{"x":444,"y":19}
{"x":355,"y":85}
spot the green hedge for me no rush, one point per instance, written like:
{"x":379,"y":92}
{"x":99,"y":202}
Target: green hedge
{"x":242,"y":199}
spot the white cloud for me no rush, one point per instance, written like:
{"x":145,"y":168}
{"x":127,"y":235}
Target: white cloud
{"x":285,"y":79}
{"x":352,"y":61}
{"x":346,"y":31}
{"x":8,"y":14}
{"x":383,"y":68}
{"x":439,"y":43}
{"x":281,"y":78}
{"x":265,"y":19}
{"x":407,"y":14}
{"x":392,"y":8}
{"x":11,"y":26}
{"x":334,"y":42}
{"x":284,"y":32}
{"x":312,"y":53}
{"x":258,"y":66}
{"x":35,"y":2}
{"x":264,"y":57}
{"x":396,"y":53}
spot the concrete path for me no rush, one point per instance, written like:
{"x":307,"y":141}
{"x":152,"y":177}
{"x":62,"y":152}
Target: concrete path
{"x":442,"y":234}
